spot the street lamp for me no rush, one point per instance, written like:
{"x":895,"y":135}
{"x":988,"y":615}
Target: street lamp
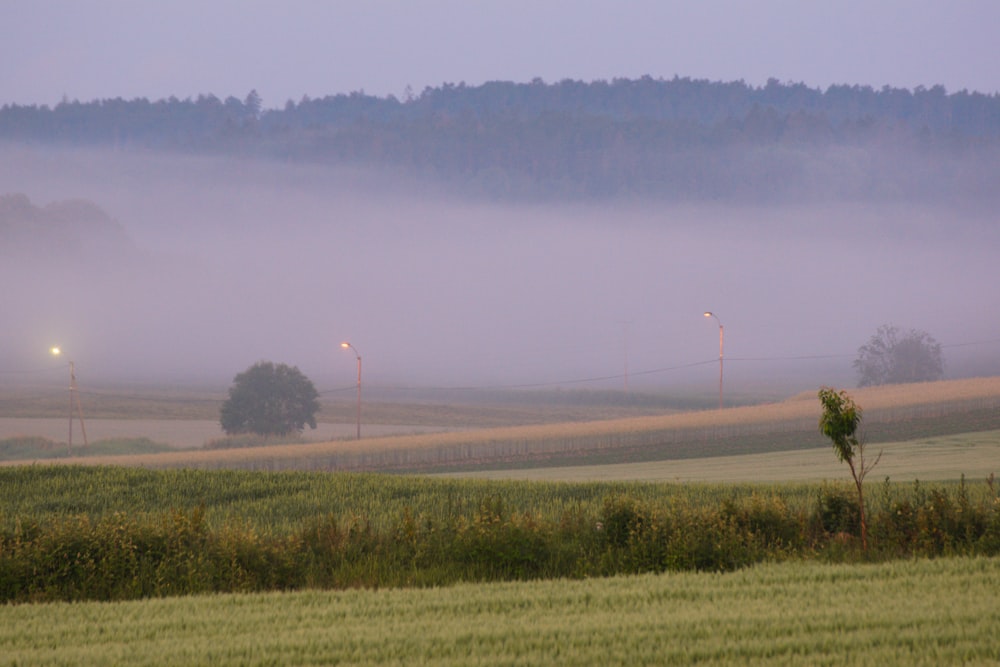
{"x":74,"y":399}
{"x":709,"y":313}
{"x":348,"y":346}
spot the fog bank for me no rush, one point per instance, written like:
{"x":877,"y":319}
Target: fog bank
{"x":238,"y":261}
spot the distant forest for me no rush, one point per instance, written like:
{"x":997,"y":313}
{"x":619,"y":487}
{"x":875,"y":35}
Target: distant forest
{"x":678,"y":139}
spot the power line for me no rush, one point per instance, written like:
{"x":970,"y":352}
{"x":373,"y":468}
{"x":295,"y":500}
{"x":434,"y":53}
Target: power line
{"x":523,"y":385}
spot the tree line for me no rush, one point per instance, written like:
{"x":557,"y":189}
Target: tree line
{"x":676,"y":138}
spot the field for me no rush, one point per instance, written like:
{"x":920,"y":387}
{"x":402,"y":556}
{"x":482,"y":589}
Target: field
{"x":916,"y":612}
{"x":892,"y":414}
{"x":753,"y":559}
{"x":975,"y":455}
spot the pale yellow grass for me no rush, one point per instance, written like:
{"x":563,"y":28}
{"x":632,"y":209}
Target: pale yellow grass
{"x":798,"y":412}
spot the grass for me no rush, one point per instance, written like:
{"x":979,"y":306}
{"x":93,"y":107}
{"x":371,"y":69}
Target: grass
{"x":975,"y":455}
{"x":36,"y":448}
{"x":919,"y":612}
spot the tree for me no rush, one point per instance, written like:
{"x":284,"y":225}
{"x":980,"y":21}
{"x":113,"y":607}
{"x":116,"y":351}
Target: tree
{"x":270,"y":399}
{"x":839,"y":422}
{"x":893,"y":358}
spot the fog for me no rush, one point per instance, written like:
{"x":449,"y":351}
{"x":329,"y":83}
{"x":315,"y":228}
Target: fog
{"x":240,"y":261}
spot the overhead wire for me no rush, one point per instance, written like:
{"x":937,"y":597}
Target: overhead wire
{"x":501,"y":386}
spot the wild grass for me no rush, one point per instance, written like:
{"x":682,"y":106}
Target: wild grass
{"x":72,"y":533}
{"x":35,"y":448}
{"x":913,"y":612}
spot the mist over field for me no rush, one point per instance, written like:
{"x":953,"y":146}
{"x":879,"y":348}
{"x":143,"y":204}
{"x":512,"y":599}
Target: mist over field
{"x":235,"y":261}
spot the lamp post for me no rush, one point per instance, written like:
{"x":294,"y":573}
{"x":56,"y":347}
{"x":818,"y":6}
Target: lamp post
{"x":348,"y":346}
{"x":74,"y":399}
{"x":709,"y":313}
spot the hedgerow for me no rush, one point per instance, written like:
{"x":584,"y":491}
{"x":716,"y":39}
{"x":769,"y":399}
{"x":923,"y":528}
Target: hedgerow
{"x":596,"y":530}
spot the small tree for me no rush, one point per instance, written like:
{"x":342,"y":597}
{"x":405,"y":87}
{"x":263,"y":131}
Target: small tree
{"x":270,"y":399}
{"x":891,"y":357}
{"x":839,"y":422}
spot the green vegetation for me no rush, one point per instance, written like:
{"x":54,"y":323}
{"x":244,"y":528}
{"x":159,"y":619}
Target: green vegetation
{"x":677,"y":139}
{"x":252,"y":440}
{"x":22,"y":448}
{"x":937,"y":459}
{"x":270,"y":399}
{"x":915,"y":612}
{"x":110,"y":533}
{"x":894,"y":357}
{"x":839,"y":422}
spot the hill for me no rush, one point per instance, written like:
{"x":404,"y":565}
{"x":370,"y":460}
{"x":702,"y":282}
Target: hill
{"x":678,"y":139}
{"x":62,"y":229}
{"x":892,"y":413}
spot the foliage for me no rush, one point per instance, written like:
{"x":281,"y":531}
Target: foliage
{"x":270,"y":399}
{"x":677,"y":138}
{"x":891,"y":357}
{"x":839,"y":422}
{"x":243,"y":440}
{"x":136,"y":533}
{"x":20,"y":448}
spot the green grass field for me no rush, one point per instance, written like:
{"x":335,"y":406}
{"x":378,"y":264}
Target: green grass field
{"x":975,"y":455}
{"x":918,"y":612}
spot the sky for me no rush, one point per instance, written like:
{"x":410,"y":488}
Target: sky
{"x":97,"y":49}
{"x":251,"y":261}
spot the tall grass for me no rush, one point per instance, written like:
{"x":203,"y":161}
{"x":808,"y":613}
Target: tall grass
{"x":35,"y":448}
{"x":75,"y":534}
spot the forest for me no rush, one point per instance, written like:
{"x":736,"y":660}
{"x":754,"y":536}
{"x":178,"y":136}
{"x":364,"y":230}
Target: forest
{"x":679,"y":139}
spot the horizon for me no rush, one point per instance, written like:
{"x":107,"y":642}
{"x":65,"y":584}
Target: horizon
{"x":108,"y":50}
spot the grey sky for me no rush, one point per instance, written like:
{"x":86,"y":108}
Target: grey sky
{"x":136,"y":48}
{"x":438,"y":291}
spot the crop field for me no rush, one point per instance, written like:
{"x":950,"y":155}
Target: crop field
{"x":173,"y":433}
{"x":975,"y":455}
{"x":914,"y":612}
{"x":256,"y":563}
{"x":892,"y":414}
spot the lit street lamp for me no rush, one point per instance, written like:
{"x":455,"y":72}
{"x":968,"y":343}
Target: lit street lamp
{"x":711,"y":314}
{"x":348,"y":346}
{"x":74,"y":399}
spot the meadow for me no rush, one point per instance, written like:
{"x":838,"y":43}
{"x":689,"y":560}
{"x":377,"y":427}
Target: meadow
{"x":912,"y":612}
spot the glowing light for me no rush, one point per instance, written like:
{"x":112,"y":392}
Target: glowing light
{"x":56,"y":351}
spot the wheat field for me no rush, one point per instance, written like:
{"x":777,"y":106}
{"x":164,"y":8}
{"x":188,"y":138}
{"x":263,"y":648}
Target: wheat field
{"x":798,"y":414}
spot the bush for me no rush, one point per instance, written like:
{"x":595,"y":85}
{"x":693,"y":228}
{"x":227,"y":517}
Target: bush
{"x":123,"y":555}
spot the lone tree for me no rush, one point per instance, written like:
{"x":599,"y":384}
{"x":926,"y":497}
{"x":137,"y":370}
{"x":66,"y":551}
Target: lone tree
{"x":270,"y":399}
{"x":891,"y":357}
{"x":839,"y":422}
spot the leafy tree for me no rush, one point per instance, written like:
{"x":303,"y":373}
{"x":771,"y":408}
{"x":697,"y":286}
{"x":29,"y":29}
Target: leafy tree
{"x":839,"y":422}
{"x":270,"y":399}
{"x":891,"y":357}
